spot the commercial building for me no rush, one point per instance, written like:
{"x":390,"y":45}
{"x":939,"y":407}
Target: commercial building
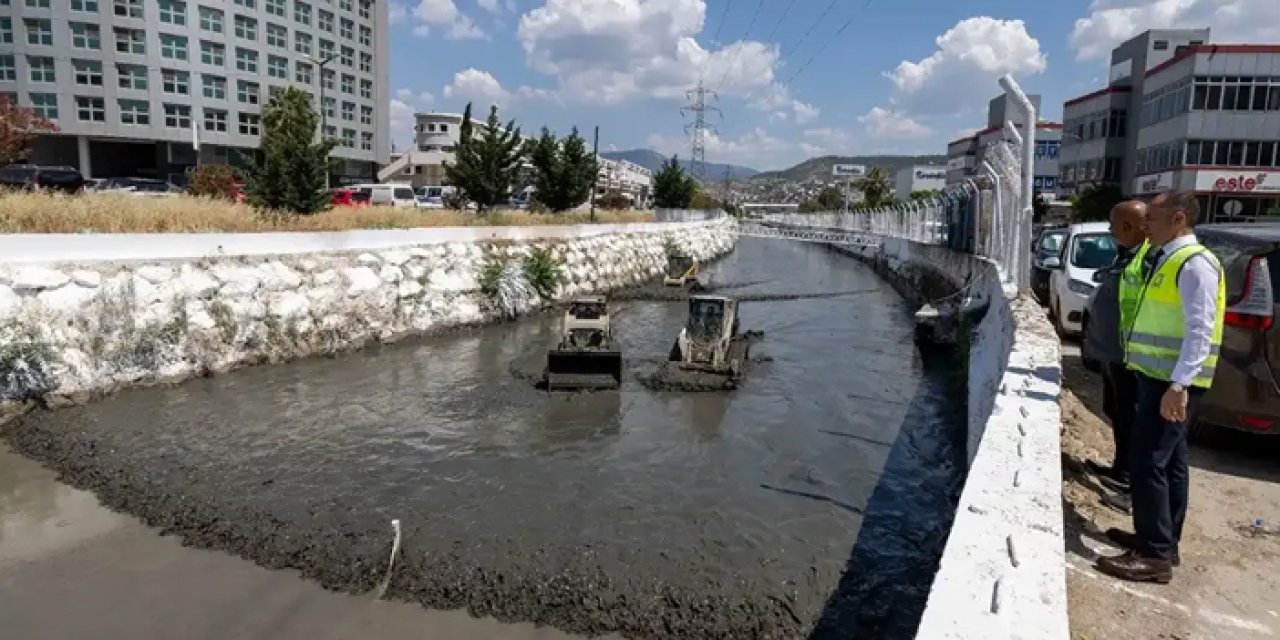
{"x":126,"y":80}
{"x":922,"y":177}
{"x":965,"y":155}
{"x":436,"y":135}
{"x":1183,"y":114}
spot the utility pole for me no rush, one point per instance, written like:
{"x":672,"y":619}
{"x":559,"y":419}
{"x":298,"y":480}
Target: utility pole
{"x":595,"y":180}
{"x":697,"y":108}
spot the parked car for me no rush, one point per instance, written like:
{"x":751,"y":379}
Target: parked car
{"x":141,"y":187}
{"x":349,"y":197}
{"x":30,"y":177}
{"x":390,"y":195}
{"x":1046,"y":254}
{"x":1086,"y":248}
{"x":432,"y":197}
{"x":92,"y":184}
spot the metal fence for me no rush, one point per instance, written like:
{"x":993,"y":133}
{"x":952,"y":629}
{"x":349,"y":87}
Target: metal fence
{"x":988,"y":214}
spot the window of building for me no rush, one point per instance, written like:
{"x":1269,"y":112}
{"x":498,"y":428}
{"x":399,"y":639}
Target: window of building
{"x":177,"y":116}
{"x":213,"y":53}
{"x":349,"y":111}
{"x":86,"y":36}
{"x":444,"y":128}
{"x":349,"y":138}
{"x":346,"y":5}
{"x":1267,"y":154}
{"x":6,"y":31}
{"x":248,"y":4}
{"x":330,"y":107}
{"x":131,"y":41}
{"x":326,"y":78}
{"x":302,"y":43}
{"x":366,"y":115}
{"x":273,"y":91}
{"x":84,"y":6}
{"x":348,"y":84}
{"x":211,"y":19}
{"x":364,"y":8}
{"x":277,"y":36}
{"x":131,"y":76}
{"x":366,"y":62}
{"x":1160,"y":45}
{"x":135,"y":112}
{"x":41,"y":69}
{"x":302,"y":12}
{"x":214,"y":87}
{"x":88,"y":72}
{"x":366,"y":89}
{"x":45,"y":104}
{"x":246,"y":60}
{"x":173,"y":47}
{"x":302,"y":72}
{"x":247,"y":92}
{"x":128,"y":8}
{"x":173,"y":12}
{"x":330,"y":131}
{"x":39,"y":32}
{"x":346,"y":28}
{"x":347,"y":58}
{"x":278,"y":67}
{"x":324,"y":21}
{"x":275,"y":7}
{"x":176,"y":82}
{"x":366,"y":35}
{"x":215,"y":120}
{"x":249,"y":123}
{"x":246,"y":27}
{"x":90,"y":109}
{"x":8,"y":68}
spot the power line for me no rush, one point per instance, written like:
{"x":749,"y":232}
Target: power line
{"x":826,"y":44}
{"x":813,"y":26}
{"x":777,"y":24}
{"x":714,"y":39}
{"x":738,"y":53}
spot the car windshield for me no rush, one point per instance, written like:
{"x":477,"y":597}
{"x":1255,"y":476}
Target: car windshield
{"x":1093,"y":251}
{"x":1051,"y":243}
{"x":360,"y":195}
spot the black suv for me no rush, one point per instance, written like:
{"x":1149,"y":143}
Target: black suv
{"x":29,"y":177}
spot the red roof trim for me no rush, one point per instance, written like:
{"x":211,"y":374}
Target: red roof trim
{"x":1100,"y":92}
{"x":1213,"y":49}
{"x":1043,"y":124}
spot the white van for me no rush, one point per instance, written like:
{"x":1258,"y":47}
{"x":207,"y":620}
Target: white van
{"x":389,"y":195}
{"x":432,"y":197}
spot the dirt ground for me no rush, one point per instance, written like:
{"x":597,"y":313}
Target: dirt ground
{"x":1230,"y":576}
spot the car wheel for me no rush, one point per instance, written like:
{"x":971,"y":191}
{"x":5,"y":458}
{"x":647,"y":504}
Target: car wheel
{"x":1057,"y":322}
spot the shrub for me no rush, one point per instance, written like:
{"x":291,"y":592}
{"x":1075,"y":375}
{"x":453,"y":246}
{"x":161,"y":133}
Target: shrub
{"x":214,"y":181}
{"x":543,"y":272}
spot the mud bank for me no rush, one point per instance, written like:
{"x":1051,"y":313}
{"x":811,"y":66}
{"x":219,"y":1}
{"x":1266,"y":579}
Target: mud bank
{"x":74,"y":327}
{"x":650,"y":514}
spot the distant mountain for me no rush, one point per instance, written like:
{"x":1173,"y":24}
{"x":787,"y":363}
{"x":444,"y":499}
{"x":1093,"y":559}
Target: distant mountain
{"x":821,"y":167}
{"x":652,"y":160}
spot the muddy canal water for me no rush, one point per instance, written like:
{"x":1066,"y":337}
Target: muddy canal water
{"x":812,"y":501}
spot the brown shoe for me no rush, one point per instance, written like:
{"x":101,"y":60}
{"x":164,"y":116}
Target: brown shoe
{"x":1129,"y":542}
{"x":1134,"y":567}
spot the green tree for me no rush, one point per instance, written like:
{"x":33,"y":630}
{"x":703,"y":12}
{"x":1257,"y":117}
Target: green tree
{"x":672,"y":187}
{"x":289,"y":171}
{"x":875,"y":187}
{"x":1095,"y":203}
{"x":486,"y":164}
{"x":564,"y":171}
{"x":924,"y":194}
{"x":829,"y":199}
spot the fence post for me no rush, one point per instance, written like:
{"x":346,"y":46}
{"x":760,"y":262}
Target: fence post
{"x":1023,"y":247}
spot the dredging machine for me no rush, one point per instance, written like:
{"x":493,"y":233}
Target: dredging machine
{"x":585,"y":358}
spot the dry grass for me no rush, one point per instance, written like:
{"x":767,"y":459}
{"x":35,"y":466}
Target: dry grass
{"x":107,"y":213}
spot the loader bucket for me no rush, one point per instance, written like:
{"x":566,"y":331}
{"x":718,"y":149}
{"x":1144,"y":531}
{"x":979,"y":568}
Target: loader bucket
{"x":574,"y":369}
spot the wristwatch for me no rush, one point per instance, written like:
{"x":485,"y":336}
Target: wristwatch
{"x":1177,"y":388}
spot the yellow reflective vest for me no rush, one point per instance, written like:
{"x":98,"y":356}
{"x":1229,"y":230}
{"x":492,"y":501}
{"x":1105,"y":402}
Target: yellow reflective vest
{"x":1131,"y":290}
{"x":1155,"y":338}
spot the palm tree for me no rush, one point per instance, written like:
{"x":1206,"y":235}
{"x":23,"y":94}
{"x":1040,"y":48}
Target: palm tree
{"x":875,"y":187}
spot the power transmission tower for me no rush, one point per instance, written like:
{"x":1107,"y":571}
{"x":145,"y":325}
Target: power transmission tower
{"x":698,"y":108}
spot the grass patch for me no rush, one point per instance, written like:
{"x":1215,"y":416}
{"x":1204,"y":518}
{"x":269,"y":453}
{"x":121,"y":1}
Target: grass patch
{"x":109,"y":213}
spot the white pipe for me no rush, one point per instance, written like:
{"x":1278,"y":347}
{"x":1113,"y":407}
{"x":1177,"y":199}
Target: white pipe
{"x":1011,"y":133}
{"x":1023,"y":245}
{"x":995,"y":240}
{"x":976,"y":213}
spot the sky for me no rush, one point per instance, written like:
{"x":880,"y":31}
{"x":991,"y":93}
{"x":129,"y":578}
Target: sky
{"x":793,"y":79}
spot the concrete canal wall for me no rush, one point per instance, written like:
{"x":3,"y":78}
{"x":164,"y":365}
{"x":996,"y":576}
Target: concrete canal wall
{"x":83,"y":315}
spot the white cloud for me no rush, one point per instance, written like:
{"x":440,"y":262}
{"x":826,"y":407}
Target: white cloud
{"x":963,"y":70}
{"x":804,"y":112}
{"x":444,"y":15}
{"x":397,"y":12}
{"x":611,"y":51}
{"x":403,"y":107}
{"x":887,"y":123}
{"x":481,"y":88}
{"x":1111,"y":22}
{"x":489,"y":5}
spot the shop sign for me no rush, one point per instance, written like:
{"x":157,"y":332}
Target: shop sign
{"x":1238,"y":181}
{"x":1147,"y":185}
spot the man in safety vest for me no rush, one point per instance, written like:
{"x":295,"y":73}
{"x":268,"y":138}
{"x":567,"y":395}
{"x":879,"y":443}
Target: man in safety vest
{"x":1172,"y":345}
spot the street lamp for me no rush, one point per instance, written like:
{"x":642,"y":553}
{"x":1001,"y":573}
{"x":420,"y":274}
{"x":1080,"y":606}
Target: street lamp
{"x":324,"y":120}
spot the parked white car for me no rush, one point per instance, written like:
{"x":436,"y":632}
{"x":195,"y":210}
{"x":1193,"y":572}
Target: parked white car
{"x":432,"y":197}
{"x":141,"y":187}
{"x":389,"y":195}
{"x":1087,"y":248}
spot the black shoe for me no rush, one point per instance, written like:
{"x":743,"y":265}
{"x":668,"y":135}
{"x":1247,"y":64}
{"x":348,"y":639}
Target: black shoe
{"x":1129,"y":541}
{"x":1099,"y":469}
{"x":1135,"y":567}
{"x":1118,"y":501}
{"x":1119,"y":485}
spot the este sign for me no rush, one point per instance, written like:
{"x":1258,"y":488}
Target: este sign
{"x":1238,"y":182}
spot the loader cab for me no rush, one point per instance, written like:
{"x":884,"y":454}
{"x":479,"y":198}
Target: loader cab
{"x":679,"y":266}
{"x":710,"y":317}
{"x":588,"y":309}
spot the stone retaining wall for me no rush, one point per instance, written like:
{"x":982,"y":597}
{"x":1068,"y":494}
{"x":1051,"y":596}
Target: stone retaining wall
{"x":72,"y":328}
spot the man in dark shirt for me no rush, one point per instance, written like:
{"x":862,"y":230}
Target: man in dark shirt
{"x":1103,"y":343}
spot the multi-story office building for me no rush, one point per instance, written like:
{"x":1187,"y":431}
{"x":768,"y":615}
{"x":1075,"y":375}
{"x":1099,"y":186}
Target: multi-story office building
{"x":131,"y":82}
{"x":921,"y":177}
{"x":1199,"y":117}
{"x":965,"y":155}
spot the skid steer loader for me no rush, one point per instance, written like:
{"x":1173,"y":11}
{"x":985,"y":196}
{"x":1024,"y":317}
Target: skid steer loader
{"x":585,"y":359}
{"x":710,"y":341}
{"x":681,"y":271}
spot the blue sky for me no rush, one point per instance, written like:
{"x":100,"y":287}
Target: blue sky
{"x":905,"y":76}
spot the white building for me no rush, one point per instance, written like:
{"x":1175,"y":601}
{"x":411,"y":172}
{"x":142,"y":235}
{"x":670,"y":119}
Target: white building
{"x":921,"y":177}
